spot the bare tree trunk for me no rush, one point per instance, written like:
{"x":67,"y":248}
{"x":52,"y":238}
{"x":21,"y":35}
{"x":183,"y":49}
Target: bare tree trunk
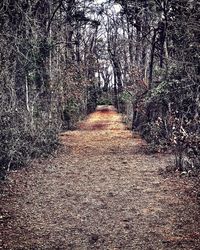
{"x":115,"y":92}
{"x":138,"y":33}
{"x":151,"y":64}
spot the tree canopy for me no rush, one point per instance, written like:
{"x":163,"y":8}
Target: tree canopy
{"x":59,"y":59}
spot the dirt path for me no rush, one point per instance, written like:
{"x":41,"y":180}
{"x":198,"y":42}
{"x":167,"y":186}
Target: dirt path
{"x":100,"y":192}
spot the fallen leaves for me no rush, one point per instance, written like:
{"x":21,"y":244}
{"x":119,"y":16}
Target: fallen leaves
{"x":103,"y":193}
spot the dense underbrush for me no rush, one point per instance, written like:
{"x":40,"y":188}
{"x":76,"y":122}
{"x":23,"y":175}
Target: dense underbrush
{"x":168,"y":119}
{"x":23,"y":138}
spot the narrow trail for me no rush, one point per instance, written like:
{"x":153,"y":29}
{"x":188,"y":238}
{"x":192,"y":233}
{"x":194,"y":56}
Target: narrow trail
{"x":101,"y":192}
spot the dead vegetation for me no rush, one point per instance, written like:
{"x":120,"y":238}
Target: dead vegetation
{"x":100,"y":192}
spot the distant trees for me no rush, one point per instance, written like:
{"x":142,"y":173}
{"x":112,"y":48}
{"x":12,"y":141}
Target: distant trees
{"x":59,"y":59}
{"x":48,"y":65}
{"x":163,"y":41}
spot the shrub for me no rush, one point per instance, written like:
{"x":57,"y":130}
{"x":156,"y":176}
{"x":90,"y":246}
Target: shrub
{"x":169,"y":117}
{"x":21,"y":140}
{"x":104,"y":101}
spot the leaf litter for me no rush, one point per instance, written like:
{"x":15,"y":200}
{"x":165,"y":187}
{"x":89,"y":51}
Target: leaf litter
{"x":101,"y":191}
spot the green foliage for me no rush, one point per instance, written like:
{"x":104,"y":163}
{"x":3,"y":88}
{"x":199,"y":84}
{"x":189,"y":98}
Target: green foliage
{"x":104,"y":101}
{"x":73,"y":112}
{"x":163,"y":91}
{"x":155,"y":134}
{"x":170,"y":114}
{"x":72,"y":106}
{"x":125,"y":96}
{"x":21,"y":141}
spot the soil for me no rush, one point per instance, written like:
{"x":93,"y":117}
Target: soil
{"x":101,"y":191}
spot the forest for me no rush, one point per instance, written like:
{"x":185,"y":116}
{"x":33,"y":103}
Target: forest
{"x":60,"y":59}
{"x":65,"y":187}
